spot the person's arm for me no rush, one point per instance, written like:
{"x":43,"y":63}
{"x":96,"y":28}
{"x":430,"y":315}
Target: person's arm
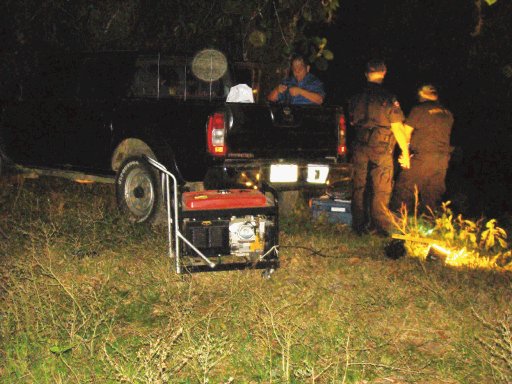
{"x":314,"y":97}
{"x":401,"y":134}
{"x":408,"y":132}
{"x":401,"y":138}
{"x":274,"y":94}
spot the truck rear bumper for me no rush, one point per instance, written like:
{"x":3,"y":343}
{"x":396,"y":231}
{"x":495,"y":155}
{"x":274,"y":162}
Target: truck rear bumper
{"x":290,"y":175}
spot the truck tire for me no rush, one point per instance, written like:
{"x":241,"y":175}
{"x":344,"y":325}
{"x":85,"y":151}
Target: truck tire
{"x":137,"y":191}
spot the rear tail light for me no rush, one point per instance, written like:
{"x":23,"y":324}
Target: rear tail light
{"x":216,"y":135}
{"x":342,"y":136}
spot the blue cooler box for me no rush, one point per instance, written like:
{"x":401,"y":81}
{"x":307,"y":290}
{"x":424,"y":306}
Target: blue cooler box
{"x":336,"y":210}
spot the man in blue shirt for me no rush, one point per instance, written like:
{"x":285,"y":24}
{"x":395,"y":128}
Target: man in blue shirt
{"x":301,"y":88}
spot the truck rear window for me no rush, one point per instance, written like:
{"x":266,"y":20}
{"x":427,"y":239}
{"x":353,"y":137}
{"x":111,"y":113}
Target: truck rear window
{"x":172,"y":78}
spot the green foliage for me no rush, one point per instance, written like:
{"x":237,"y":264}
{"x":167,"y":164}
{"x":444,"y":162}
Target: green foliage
{"x":471,"y":234}
{"x":319,"y":55}
{"x":468,"y":231}
{"x":60,"y":349}
{"x":487,"y":241}
{"x":444,"y":224}
{"x":261,"y":30}
{"x":493,"y":236}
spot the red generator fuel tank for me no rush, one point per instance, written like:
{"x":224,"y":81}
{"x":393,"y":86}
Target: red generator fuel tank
{"x":223,"y":199}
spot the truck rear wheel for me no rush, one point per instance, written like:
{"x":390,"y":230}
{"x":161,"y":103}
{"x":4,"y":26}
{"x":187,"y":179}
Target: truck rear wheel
{"x":137,"y":191}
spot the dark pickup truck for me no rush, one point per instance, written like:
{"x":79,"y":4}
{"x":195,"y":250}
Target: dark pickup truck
{"x":95,"y":117}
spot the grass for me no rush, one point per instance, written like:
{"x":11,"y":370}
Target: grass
{"x":88,"y":298}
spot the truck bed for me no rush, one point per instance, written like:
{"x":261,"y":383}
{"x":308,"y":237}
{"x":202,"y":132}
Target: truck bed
{"x":283,"y":131}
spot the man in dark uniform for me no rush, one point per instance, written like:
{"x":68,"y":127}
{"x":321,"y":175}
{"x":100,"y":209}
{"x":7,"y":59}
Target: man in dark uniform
{"x":430,"y":125}
{"x":377,"y":119}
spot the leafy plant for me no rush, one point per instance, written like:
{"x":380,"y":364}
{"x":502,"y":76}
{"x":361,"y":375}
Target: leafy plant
{"x":444,"y":224}
{"x":468,"y":231}
{"x":493,"y":236}
{"x":472,"y":234}
{"x":318,"y":53}
{"x":460,"y":235}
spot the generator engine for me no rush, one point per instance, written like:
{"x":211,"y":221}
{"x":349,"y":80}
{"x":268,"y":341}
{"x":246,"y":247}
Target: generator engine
{"x":245,"y":236}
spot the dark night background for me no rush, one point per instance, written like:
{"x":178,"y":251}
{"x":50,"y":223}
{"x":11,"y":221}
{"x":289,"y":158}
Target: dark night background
{"x":436,"y":41}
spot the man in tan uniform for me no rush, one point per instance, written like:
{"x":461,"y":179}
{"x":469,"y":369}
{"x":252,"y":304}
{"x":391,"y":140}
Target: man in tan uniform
{"x":430,"y":125}
{"x":377,"y":119}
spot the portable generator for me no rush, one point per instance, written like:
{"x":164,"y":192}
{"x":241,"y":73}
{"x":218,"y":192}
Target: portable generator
{"x":217,"y":230}
{"x":235,"y":222}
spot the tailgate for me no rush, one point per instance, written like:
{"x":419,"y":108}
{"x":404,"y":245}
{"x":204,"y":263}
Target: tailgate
{"x":283,"y":131}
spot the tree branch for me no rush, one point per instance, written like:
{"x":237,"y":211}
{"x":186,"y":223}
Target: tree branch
{"x":279,"y":24}
{"x":480,"y":21}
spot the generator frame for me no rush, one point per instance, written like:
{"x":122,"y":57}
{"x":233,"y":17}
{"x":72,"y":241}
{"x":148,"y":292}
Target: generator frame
{"x":176,"y":215}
